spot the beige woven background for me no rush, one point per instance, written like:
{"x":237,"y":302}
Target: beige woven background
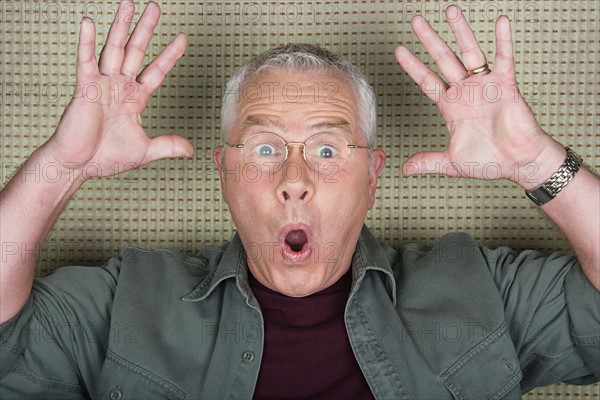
{"x":176,"y":203}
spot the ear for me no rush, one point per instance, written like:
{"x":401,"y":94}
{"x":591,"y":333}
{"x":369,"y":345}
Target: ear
{"x":218,"y":153}
{"x":378,"y":162}
{"x":218,"y":159}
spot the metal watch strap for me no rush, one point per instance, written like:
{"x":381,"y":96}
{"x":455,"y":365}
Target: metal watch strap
{"x":557,"y":181}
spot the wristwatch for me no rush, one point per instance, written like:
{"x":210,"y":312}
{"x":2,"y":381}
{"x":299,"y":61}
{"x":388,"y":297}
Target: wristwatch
{"x":558,"y":181}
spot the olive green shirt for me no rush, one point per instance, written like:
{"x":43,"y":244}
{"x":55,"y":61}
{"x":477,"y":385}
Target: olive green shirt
{"x":454,"y":320}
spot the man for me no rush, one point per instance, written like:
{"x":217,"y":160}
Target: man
{"x":303,"y":302}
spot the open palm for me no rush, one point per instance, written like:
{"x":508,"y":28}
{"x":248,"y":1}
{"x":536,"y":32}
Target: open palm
{"x":101,"y":131}
{"x":492,"y":131}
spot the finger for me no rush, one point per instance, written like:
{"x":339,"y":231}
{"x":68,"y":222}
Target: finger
{"x":439,"y":51}
{"x":153,"y":75}
{"x":471,"y":54}
{"x":426,"y":162}
{"x":503,"y":60}
{"x":111,"y":57}
{"x":139,"y":40}
{"x":168,"y":146}
{"x":429,"y":82}
{"x":86,"y":51}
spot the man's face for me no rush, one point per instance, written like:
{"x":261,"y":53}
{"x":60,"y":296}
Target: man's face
{"x":299,"y":225}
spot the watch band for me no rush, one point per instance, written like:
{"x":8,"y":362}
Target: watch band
{"x":557,"y":181}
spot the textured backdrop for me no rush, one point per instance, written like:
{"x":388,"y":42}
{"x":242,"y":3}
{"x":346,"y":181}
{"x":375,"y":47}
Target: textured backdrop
{"x":176,"y":203}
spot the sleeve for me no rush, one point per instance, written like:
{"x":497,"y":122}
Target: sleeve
{"x":553,"y":315}
{"x":55,"y":346}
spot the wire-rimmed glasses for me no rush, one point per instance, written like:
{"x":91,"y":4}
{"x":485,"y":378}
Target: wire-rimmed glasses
{"x":323,"y":152}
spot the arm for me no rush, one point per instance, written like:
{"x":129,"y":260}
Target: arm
{"x":575,"y":210}
{"x":503,"y":131}
{"x":96,"y":128}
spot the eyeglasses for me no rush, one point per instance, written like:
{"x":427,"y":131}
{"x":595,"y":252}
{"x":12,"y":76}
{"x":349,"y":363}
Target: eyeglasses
{"x":323,"y":151}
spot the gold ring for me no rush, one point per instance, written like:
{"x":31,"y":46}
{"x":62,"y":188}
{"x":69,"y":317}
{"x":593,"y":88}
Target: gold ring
{"x":480,"y":70}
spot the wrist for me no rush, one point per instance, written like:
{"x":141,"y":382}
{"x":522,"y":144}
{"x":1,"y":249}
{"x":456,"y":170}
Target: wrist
{"x":558,"y":181}
{"x":547,"y":162}
{"x":65,"y":176}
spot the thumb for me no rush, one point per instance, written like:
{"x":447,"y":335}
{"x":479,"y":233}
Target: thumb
{"x":168,"y":146}
{"x":427,"y":162}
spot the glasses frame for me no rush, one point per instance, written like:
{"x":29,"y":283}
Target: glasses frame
{"x":303,"y":144}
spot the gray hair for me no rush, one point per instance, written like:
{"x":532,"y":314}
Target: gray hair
{"x":304,"y":58}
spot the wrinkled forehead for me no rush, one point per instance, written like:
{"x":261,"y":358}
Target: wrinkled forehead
{"x":300,"y":100}
{"x":296,"y":86}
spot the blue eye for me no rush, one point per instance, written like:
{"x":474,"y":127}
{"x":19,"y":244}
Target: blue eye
{"x":326,"y":151}
{"x":264,"y":150}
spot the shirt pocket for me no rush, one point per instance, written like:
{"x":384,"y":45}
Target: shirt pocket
{"x":121,"y":379}
{"x":489,"y":370}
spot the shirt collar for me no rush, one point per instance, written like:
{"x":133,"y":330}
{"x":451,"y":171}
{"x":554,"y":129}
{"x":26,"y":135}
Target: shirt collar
{"x":370,"y":254}
{"x":229,"y":259}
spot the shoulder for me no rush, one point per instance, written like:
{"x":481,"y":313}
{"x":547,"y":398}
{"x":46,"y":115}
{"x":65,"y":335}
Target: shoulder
{"x":455,"y":249}
{"x":166,"y":258}
{"x":161,"y":267}
{"x":134,"y":269}
{"x":454,"y":257}
{"x":453,"y":245}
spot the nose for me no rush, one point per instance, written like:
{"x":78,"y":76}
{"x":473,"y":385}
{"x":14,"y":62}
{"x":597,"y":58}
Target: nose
{"x":295,"y":179}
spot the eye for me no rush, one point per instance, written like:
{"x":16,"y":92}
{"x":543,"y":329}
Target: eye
{"x":326,"y":151}
{"x":264,"y":150}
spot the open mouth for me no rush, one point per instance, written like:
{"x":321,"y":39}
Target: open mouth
{"x":296,"y":239}
{"x":295,"y":243}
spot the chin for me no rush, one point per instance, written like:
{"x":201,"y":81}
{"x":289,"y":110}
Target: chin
{"x":297,"y":280}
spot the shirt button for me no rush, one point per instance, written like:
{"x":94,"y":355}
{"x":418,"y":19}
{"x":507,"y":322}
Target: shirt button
{"x":248,"y":356}
{"x":115,"y":394}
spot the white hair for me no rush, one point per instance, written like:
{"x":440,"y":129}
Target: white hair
{"x":301,"y":57}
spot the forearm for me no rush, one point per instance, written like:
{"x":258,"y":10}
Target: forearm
{"x":503,"y":131}
{"x":576,"y":211}
{"x":29,"y":205}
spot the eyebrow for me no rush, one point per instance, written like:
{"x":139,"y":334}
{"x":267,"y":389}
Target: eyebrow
{"x":337,"y":124}
{"x":257,"y":120}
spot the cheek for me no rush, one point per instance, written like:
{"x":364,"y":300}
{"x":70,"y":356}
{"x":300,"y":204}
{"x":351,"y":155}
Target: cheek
{"x":245,"y":193}
{"x":348,"y":196}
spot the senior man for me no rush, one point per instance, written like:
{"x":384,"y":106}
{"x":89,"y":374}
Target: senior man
{"x":303,"y":302}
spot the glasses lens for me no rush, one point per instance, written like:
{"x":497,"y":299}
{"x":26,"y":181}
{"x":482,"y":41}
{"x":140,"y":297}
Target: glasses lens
{"x":265,"y":149}
{"x":326,"y":150}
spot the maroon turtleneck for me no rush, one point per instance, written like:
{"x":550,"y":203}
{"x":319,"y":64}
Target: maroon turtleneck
{"x":307,"y":353}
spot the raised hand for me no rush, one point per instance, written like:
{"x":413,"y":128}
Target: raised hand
{"x":102,"y":124}
{"x":493,"y":132}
